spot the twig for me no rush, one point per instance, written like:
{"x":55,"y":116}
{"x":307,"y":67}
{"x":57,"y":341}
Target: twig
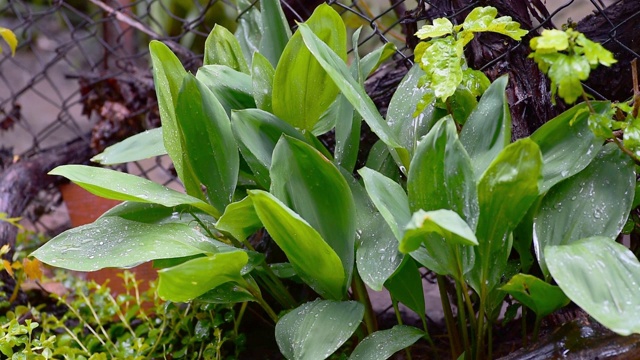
{"x":636,"y":89}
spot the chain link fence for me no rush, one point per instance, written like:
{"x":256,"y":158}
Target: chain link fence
{"x":81,"y":72}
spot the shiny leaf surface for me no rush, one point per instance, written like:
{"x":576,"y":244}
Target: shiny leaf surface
{"x":382,"y":344}
{"x":222,"y":48}
{"x":141,"y":146}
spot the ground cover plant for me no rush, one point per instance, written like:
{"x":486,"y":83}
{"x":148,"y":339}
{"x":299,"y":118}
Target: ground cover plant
{"x":444,"y":188}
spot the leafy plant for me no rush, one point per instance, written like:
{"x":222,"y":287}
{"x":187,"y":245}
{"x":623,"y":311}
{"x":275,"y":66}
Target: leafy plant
{"x":243,"y":137}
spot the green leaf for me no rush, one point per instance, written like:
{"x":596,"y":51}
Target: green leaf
{"x":233,"y":89}
{"x":377,"y":256}
{"x":275,"y":30}
{"x":313,"y":331}
{"x":389,"y":198}
{"x":307,"y":182}
{"x":441,"y":174}
{"x":222,"y":48}
{"x":536,"y":294}
{"x":115,"y":185}
{"x":239,"y":219}
{"x":602,"y":277}
{"x":402,"y":107}
{"x":227,"y":293}
{"x":442,"y":63}
{"x":372,"y":60}
{"x":594,"y":52}
{"x":567,"y":144}
{"x":257,"y":133}
{"x":595,"y":201}
{"x":10,"y":38}
{"x":406,"y":287}
{"x":141,"y":146}
{"x":382,"y":344}
{"x":566,"y":73}
{"x":462,"y":103}
{"x":302,"y":91}
{"x":314,"y":260}
{"x":249,"y":27}
{"x":600,"y":125}
{"x":475,"y":81}
{"x":505,"y":192}
{"x":440,"y":27}
{"x":262,"y":79}
{"x":338,"y":72}
{"x":116,"y":242}
{"x":631,"y":137}
{"x":483,"y":19}
{"x":380,"y":160}
{"x":445,"y":223}
{"x":157,"y":214}
{"x":550,"y":41}
{"x":195,"y":277}
{"x":210,"y":150}
{"x":488,"y":128}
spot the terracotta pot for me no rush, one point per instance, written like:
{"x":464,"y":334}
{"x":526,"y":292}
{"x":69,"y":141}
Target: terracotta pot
{"x":84,"y":208}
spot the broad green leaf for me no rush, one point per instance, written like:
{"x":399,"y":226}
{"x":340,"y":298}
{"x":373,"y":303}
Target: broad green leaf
{"x":314,"y":260}
{"x":195,"y":277}
{"x":116,"y":242}
{"x":372,"y":60}
{"x":157,"y":214}
{"x":594,"y":52}
{"x":506,"y":190}
{"x":377,"y":256}
{"x":441,"y":174}
{"x":488,"y":128}
{"x":440,"y":27}
{"x":475,"y":81}
{"x":536,"y":294}
{"x":248,"y":31}
{"x":595,"y":201}
{"x":227,"y":293}
{"x":602,"y":277}
{"x":389,"y":198}
{"x":257,"y":133}
{"x":313,"y":331}
{"x":406,"y":286}
{"x":10,"y":38}
{"x":239,"y":219}
{"x":567,"y":144}
{"x":380,"y":160}
{"x":115,"y":185}
{"x":210,"y":150}
{"x":462,"y":103}
{"x":141,"y":146}
{"x":275,"y":30}
{"x":168,"y":74}
{"x":307,"y":182}
{"x":566,"y":73}
{"x":382,"y":344}
{"x":222,"y":48}
{"x":232,"y":88}
{"x":442,"y":64}
{"x":262,"y":79}
{"x":446,"y":223}
{"x":338,"y":72}
{"x":483,"y":19}
{"x":407,"y":126}
{"x":302,"y":89}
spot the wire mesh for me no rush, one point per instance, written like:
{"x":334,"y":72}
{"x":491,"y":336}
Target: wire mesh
{"x":82,"y":67}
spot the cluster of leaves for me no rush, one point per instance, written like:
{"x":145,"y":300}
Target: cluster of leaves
{"x":242,"y":134}
{"x":134,"y":325}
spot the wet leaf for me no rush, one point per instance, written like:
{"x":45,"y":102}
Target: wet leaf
{"x":115,"y":185}
{"x":567,"y":144}
{"x":405,"y":286}
{"x":537,"y":295}
{"x":377,"y":256}
{"x":390,"y":199}
{"x":313,"y":331}
{"x":275,"y":30}
{"x":157,"y":214}
{"x":445,"y":223}
{"x":602,"y":277}
{"x":227,"y":293}
{"x":239,"y":219}
{"x":209,"y":148}
{"x":482,"y":19}
{"x":222,"y":48}
{"x":442,"y":64}
{"x":595,"y":201}
{"x":302,"y":90}
{"x":262,"y":79}
{"x":488,"y":128}
{"x":116,"y":242}
{"x":382,"y":344}
{"x":440,"y":27}
{"x":248,"y":31}
{"x":313,"y":187}
{"x":314,"y":260}
{"x":233,"y":89}
{"x":141,"y":146}
{"x":195,"y":277}
{"x":257,"y":133}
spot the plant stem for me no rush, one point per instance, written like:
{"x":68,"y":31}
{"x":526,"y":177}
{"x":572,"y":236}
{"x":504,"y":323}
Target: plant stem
{"x":454,"y":337}
{"x":480,"y":328}
{"x":463,"y":321}
{"x":536,"y":327}
{"x":238,"y":319}
{"x":524,"y":326}
{"x":360,"y":294}
{"x":396,"y":310}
